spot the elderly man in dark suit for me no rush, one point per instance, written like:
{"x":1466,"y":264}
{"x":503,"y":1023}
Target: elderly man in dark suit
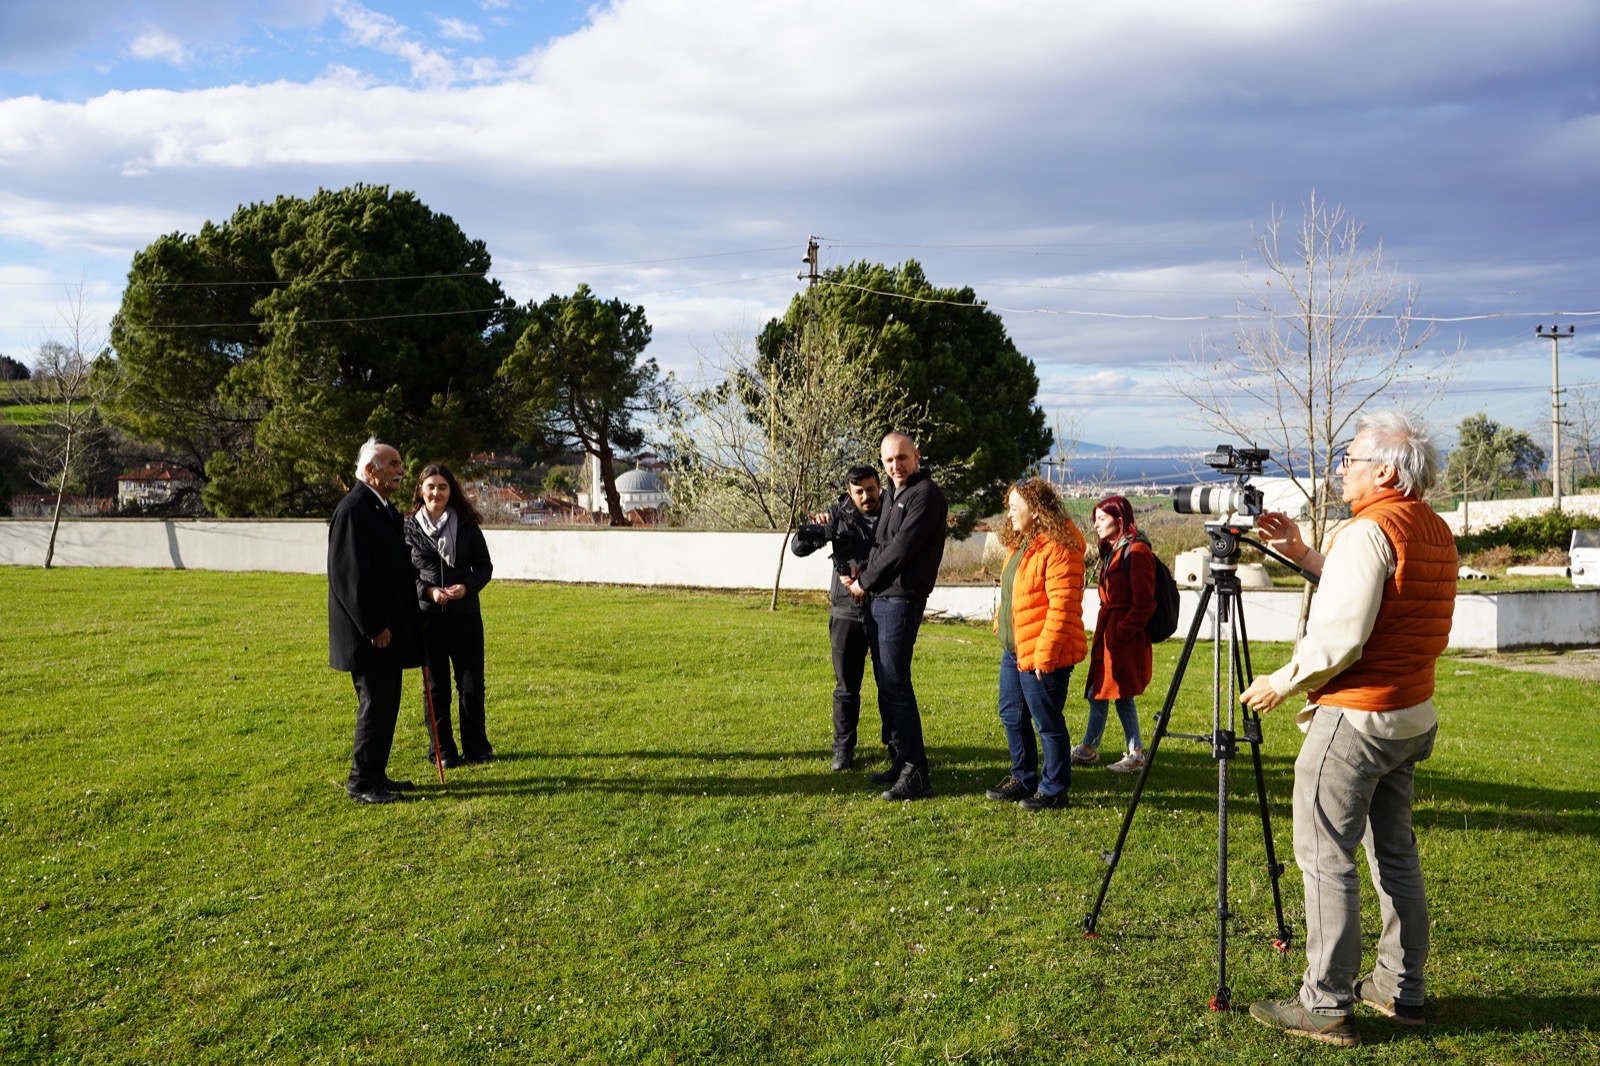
{"x":373,"y":629}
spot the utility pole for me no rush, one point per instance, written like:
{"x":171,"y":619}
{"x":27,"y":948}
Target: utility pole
{"x":811,"y":277}
{"x":1556,"y":337}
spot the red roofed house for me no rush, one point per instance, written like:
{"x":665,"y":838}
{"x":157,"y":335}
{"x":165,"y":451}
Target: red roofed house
{"x":154,"y":484}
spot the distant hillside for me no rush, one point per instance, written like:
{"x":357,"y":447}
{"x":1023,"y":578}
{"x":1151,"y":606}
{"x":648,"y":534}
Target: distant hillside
{"x":1086,"y":450}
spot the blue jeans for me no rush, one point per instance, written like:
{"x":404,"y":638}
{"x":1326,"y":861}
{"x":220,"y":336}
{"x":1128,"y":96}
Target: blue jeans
{"x":893,"y":633}
{"x":1097,"y":723}
{"x":1026,"y":700}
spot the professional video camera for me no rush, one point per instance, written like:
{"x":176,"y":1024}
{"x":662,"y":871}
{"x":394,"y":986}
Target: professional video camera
{"x":1239,"y":502}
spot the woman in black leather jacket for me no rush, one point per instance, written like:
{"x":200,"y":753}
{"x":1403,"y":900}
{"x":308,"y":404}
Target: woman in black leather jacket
{"x":452,"y":562}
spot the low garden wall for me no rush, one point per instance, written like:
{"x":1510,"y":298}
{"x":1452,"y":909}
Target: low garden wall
{"x":709,"y":560}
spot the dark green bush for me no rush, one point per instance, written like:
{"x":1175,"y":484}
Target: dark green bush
{"x":1529,"y":535}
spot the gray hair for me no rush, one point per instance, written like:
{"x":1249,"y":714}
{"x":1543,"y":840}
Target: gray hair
{"x":367,"y":456}
{"x":1401,"y":440}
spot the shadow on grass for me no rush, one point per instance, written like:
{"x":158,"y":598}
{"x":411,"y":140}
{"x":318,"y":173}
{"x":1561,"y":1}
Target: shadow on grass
{"x":1186,"y":781}
{"x":1182,"y":778}
{"x":1449,"y":1015}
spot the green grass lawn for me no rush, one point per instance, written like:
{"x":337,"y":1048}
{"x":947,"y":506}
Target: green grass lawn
{"x":660,"y":868}
{"x":31,"y":414}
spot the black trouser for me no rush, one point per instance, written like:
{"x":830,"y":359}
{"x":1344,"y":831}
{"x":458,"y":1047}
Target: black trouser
{"x":377,"y":709}
{"x":456,"y":641}
{"x":850,"y":649}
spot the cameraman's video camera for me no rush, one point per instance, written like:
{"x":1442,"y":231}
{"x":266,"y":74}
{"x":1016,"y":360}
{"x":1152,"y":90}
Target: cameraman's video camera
{"x":1239,"y":502}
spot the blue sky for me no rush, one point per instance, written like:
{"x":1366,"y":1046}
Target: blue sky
{"x":1097,"y":169}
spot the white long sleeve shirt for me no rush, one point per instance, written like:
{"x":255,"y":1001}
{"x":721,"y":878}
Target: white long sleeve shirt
{"x":1358,"y":564}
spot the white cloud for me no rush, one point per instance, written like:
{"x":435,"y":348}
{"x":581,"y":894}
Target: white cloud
{"x":1094,"y":156}
{"x":156,"y":45}
{"x":382,"y":34}
{"x":457,"y":30}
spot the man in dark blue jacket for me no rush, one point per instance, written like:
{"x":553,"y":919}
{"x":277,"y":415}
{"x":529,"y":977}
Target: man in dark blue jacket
{"x":849,"y":526}
{"x":900,"y":574}
{"x":373,"y":626}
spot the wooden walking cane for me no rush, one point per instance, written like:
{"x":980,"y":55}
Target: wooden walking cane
{"x":433,"y":723}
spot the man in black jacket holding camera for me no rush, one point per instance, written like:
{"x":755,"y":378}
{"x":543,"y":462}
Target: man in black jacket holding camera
{"x":849,"y":525}
{"x":900,"y":574}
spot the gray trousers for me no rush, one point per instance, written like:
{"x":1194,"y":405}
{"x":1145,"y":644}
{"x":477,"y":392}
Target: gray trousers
{"x":1352,"y":789}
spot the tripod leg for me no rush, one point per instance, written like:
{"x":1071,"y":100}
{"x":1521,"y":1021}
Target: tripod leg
{"x":1114,"y":856}
{"x":1222,"y":748}
{"x":1254,"y":735}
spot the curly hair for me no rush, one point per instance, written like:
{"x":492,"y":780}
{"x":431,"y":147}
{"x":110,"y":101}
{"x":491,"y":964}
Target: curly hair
{"x":1050,"y":520}
{"x":458,"y":501}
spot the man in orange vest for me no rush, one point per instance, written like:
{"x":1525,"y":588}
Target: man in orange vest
{"x":1380,"y":619}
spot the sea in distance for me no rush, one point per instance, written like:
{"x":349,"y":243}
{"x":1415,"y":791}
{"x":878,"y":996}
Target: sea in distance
{"x":1147,"y":474}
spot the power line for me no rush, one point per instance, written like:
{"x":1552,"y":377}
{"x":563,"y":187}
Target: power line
{"x":268,"y":282}
{"x":416,"y":314}
{"x":1233,"y":317}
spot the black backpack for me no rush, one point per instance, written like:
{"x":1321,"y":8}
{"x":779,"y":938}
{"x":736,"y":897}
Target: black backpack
{"x":1164,"y":619}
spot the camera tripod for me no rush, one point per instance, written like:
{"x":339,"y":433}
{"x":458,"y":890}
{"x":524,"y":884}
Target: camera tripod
{"x":1223,"y":580}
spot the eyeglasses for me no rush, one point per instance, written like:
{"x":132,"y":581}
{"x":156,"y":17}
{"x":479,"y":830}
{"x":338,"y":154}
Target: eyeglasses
{"x":1345,"y":459}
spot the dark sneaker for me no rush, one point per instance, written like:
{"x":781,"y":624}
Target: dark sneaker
{"x":1291,"y":1016}
{"x":843,"y":760}
{"x":913,"y":784}
{"x":1041,"y":802}
{"x":1009,"y":791}
{"x":1404,"y":1013}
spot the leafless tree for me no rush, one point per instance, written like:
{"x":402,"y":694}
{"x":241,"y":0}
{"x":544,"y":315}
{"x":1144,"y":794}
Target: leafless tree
{"x":62,"y":371}
{"x":1324,"y":328}
{"x":757,"y":444}
{"x":1582,"y":441}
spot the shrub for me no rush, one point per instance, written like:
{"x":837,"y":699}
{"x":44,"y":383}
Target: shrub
{"x":1529,"y":535}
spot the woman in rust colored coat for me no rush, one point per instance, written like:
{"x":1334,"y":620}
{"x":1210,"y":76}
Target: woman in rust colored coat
{"x":1040,"y":625}
{"x":1120,"y":662}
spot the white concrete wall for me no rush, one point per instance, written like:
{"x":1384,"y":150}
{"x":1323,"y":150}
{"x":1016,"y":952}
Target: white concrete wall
{"x":597,"y":556}
{"x":1486,"y":514}
{"x":297,"y":547}
{"x":711,"y":560}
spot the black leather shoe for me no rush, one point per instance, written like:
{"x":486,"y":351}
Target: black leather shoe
{"x":449,"y":762}
{"x":487,"y":756}
{"x":913,"y":784}
{"x":374,"y":795}
{"x":843,"y":760}
{"x":398,"y":786}
{"x":1040,"y":802}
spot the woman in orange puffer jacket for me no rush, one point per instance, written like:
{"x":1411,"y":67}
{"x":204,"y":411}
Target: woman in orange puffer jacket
{"x":1040,"y":624}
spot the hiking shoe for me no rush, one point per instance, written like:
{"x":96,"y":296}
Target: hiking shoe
{"x":889,"y":776}
{"x":1083,"y":755}
{"x":1009,"y":791}
{"x":1291,"y":1016}
{"x":1130,"y":763}
{"x":1404,"y":1013}
{"x":1041,"y":802}
{"x":913,"y":784}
